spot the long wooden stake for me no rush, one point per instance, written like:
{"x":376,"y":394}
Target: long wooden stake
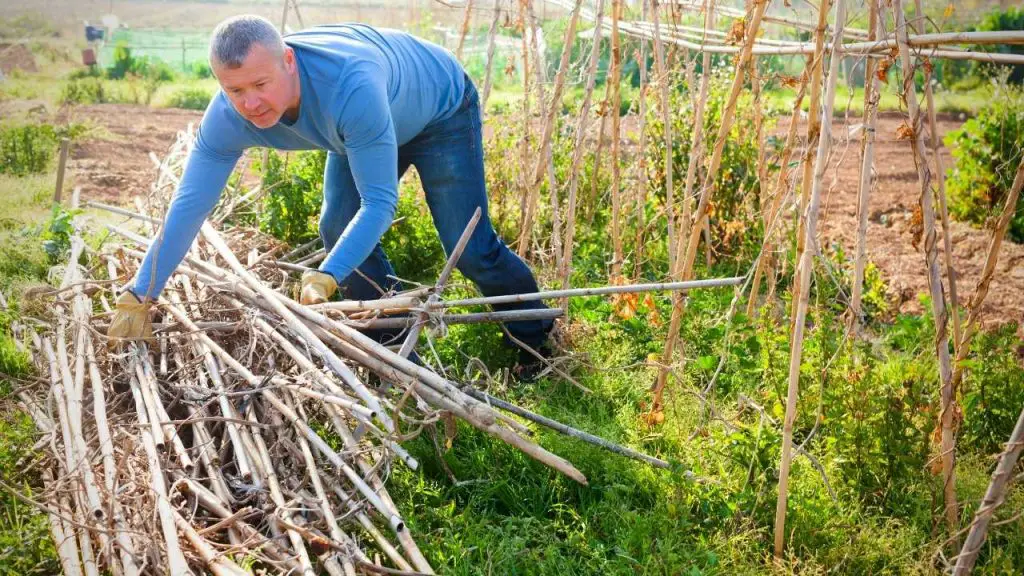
{"x":995,"y":495}
{"x":814,"y":123}
{"x":872,"y":93}
{"x":523,"y":246}
{"x":545,"y":159}
{"x":492,"y":34}
{"x":696,"y":139}
{"x":577,"y":151}
{"x":661,"y":69}
{"x":61,"y":164}
{"x":465,"y":28}
{"x":804,"y":272}
{"x":641,"y":164}
{"x":948,"y":401}
{"x":686,"y":266}
{"x":616,"y":104}
{"x":766,"y":260}
{"x":177,"y":566}
{"x":940,"y":176}
{"x":987,"y":273}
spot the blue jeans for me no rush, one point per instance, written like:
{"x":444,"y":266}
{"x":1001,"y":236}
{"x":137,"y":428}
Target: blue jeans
{"x":448,"y":155}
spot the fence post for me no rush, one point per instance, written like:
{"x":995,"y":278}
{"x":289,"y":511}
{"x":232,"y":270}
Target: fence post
{"x":64,"y":142}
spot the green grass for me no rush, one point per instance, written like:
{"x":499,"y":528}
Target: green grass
{"x":25,"y":543}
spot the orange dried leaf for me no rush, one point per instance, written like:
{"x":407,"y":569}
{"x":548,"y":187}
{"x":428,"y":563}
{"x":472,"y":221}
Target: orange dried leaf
{"x":737,"y":32}
{"x":916,"y":228}
{"x":948,"y":12}
{"x":904,"y":131}
{"x":790,"y":81}
{"x":928,"y":66}
{"x":883,"y":70}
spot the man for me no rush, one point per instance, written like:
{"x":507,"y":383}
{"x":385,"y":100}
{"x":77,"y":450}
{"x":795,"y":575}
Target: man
{"x":378,"y":101}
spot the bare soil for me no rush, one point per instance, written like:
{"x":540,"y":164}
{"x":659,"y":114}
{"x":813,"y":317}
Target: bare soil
{"x":890,"y":236}
{"x":115,"y":166}
{"x":16,"y":57}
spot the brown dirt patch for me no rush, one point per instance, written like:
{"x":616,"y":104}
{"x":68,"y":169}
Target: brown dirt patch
{"x":894,"y":199}
{"x":16,"y":57}
{"x":114,"y":166}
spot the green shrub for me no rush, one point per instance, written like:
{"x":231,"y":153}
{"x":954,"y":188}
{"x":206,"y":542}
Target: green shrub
{"x":294,"y":184}
{"x":190,"y":98}
{"x":125,"y":64}
{"x":84,"y":90}
{"x":986,"y":152}
{"x":201,"y":70}
{"x":26,"y":149}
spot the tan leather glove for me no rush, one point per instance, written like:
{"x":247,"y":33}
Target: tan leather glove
{"x":317,"y":287}
{"x":131,"y":319}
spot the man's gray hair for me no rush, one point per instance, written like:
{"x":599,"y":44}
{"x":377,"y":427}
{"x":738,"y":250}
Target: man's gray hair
{"x":233,"y":38}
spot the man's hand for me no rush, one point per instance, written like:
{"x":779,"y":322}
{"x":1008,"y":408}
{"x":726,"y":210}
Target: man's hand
{"x":317,"y":287}
{"x":131,"y":319}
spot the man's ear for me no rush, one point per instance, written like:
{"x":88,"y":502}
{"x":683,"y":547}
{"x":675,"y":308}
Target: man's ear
{"x":289,"y":59}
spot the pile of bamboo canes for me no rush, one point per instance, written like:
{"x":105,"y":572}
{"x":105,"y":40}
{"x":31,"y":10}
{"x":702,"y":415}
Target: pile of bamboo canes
{"x":251,"y":431}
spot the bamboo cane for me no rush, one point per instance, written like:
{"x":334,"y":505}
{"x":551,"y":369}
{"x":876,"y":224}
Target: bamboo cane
{"x":616,"y":105}
{"x":465,"y":29}
{"x":661,"y":69}
{"x":177,"y":566}
{"x":641,"y":164}
{"x":872,"y":93}
{"x":814,"y":123}
{"x":765,"y":266}
{"x":940,"y":176}
{"x":275,"y":494}
{"x":597,"y":291}
{"x":685,"y":267}
{"x":442,"y":280}
{"x":995,"y":495}
{"x":491,"y":36}
{"x":804,"y":272}
{"x":452,"y":319}
{"x":948,"y":400}
{"x":271,"y":298}
{"x":577,"y":154}
{"x":218,"y":565}
{"x":545,"y":158}
{"x":696,"y":138}
{"x":63,"y":540}
{"x":125,"y":546}
{"x":987,"y":273}
{"x":525,"y":192}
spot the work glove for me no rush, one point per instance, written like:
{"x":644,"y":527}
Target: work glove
{"x":317,"y":287}
{"x":131,"y":319}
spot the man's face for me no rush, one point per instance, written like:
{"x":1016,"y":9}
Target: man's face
{"x":262,"y":89}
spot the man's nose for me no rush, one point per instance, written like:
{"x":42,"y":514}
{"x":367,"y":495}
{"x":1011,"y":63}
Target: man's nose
{"x":251,"y":103}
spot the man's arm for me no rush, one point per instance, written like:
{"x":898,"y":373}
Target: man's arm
{"x":206,"y":174}
{"x":368,"y":132}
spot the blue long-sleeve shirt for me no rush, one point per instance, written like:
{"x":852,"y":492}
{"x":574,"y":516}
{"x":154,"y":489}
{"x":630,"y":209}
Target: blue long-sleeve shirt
{"x":364,"y":92}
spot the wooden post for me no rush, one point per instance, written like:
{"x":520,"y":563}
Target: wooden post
{"x":684,"y":260}
{"x":616,"y":102}
{"x":939,"y":312}
{"x":872,"y":92}
{"x":803,"y":272}
{"x":61,"y":165}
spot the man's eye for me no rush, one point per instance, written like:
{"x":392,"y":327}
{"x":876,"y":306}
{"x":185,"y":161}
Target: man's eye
{"x":261,"y":84}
